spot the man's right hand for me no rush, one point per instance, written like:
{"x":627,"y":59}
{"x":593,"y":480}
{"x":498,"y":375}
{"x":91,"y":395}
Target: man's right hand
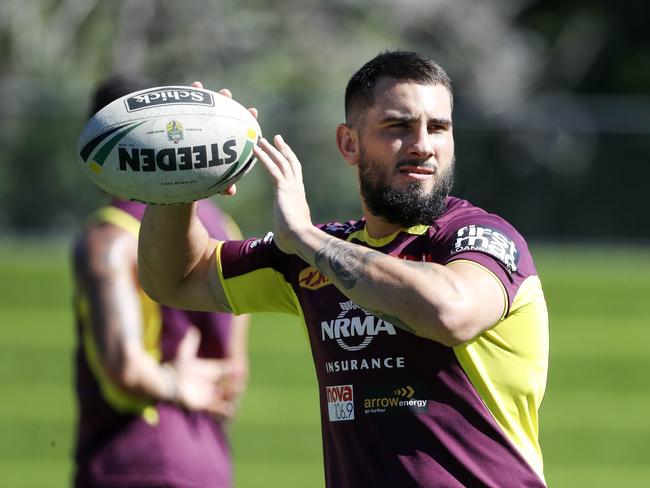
{"x":231,"y":190}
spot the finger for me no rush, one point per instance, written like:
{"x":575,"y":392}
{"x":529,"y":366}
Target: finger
{"x":216,"y":404}
{"x":225,"y":92}
{"x":288,"y":153}
{"x":234,"y":388}
{"x":230,"y":191}
{"x":271,"y":168}
{"x":234,"y":380}
{"x":238,"y":370}
{"x":213,"y":370}
{"x":189,"y":345}
{"x":197,"y":84}
{"x":221,"y":407}
{"x":277,"y":157}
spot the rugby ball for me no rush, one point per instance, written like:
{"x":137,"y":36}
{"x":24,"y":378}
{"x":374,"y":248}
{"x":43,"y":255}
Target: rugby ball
{"x":168,"y":144}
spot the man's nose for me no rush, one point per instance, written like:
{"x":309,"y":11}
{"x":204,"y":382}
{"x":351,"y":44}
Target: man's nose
{"x":422,"y":144}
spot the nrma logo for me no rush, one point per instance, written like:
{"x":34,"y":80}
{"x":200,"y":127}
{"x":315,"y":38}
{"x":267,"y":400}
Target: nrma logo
{"x":354,"y":328}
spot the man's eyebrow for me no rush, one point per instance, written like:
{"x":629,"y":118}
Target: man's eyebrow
{"x":397,"y":118}
{"x":444,"y":122}
{"x":441,"y":121}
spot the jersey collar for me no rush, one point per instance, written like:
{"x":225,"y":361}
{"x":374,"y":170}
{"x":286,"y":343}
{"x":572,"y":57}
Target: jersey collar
{"x":362,"y":235}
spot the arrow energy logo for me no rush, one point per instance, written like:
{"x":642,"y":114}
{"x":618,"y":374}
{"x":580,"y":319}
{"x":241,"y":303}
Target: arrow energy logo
{"x":393,"y":400}
{"x":406,"y":392}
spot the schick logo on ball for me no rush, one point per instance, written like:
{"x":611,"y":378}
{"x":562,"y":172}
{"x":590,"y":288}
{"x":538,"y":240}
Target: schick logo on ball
{"x":168,"y":96}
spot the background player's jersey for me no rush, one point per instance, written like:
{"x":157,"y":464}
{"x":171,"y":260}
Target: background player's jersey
{"x":124,"y":440}
{"x":397,"y":409}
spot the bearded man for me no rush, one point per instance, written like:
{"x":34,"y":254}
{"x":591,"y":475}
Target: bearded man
{"x":426,"y":317}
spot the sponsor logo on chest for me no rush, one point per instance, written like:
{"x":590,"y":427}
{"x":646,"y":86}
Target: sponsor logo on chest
{"x":354,"y":329}
{"x":404,"y":399}
{"x":393,"y":400}
{"x":340,"y":402}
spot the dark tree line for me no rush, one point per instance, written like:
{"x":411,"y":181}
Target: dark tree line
{"x":550,"y":117}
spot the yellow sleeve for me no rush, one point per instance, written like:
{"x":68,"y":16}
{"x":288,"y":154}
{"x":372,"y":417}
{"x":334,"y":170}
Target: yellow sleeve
{"x":262,"y":289}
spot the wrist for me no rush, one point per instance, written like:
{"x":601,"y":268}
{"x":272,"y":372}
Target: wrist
{"x":171,"y":378}
{"x":309,"y":242}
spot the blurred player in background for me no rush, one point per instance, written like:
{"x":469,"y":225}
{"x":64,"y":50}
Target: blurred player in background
{"x":155,"y":385}
{"x":426,"y":317}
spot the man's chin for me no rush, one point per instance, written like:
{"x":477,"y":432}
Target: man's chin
{"x":407,"y":212}
{"x":421,"y":184}
{"x":402,"y":183}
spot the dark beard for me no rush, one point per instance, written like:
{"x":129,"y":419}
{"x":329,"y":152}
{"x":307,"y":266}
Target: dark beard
{"x":408,"y":207}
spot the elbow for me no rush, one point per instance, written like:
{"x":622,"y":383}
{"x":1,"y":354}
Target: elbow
{"x":152,"y":286}
{"x":147,"y":285}
{"x":456,"y":322}
{"x":454,"y":331}
{"x":123,"y":377}
{"x":451,"y":324}
{"x":122,"y":369}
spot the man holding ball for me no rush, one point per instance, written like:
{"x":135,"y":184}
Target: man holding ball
{"x":426,"y":318}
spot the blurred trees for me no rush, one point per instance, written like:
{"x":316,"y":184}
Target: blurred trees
{"x":551,"y":98}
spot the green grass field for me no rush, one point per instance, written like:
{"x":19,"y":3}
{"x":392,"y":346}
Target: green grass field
{"x":595,"y":420}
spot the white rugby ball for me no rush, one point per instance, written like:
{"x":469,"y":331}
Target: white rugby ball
{"x":168,"y":144}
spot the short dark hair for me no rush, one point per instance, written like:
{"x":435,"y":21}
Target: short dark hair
{"x":115,"y":87}
{"x":399,"y":65}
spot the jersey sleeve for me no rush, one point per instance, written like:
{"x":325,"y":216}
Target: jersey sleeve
{"x":255,"y":276}
{"x":214,"y":326}
{"x":491,"y":243}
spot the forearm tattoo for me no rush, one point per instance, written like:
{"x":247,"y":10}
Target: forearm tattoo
{"x":349,"y":265}
{"x":346,"y":264}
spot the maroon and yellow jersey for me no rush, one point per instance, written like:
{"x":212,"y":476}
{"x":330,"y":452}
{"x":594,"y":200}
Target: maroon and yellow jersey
{"x":124,"y":440}
{"x":398,"y":409}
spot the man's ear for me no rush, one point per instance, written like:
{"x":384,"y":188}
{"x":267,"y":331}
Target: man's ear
{"x":347,"y":140}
